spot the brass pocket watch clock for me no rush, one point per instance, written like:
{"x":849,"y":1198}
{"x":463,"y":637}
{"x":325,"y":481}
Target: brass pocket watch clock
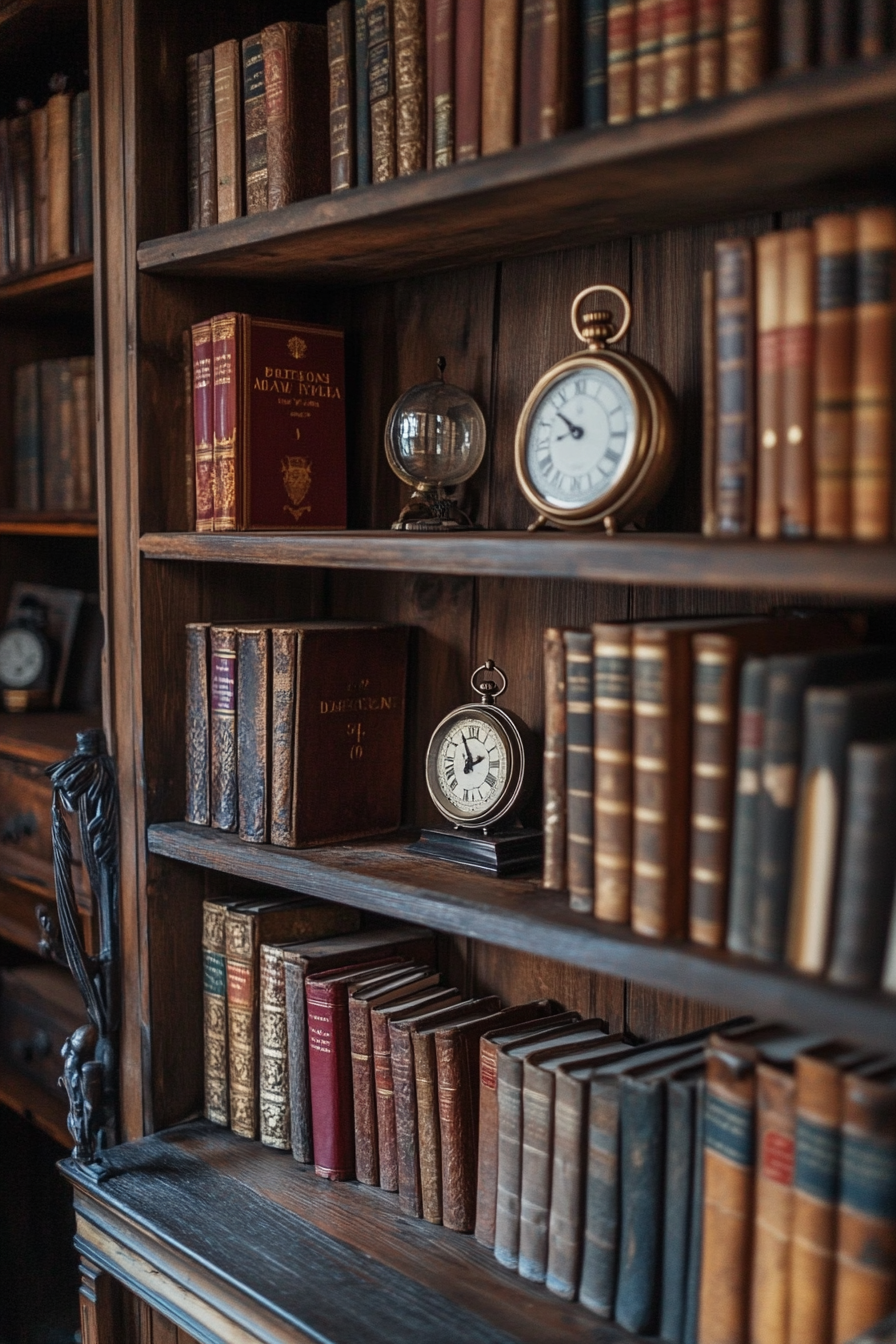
{"x":596,"y":440}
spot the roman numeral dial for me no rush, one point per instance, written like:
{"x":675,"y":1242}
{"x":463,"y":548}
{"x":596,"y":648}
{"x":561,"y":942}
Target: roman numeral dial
{"x":581,"y":436}
{"x":471,"y":765}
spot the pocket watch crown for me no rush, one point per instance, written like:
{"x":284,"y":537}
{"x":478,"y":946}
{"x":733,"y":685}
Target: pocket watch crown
{"x":597,"y":327}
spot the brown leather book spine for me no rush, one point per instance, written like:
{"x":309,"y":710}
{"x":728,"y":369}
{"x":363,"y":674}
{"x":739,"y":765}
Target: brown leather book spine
{"x":661,"y":746}
{"x":872,"y":461}
{"x":866,"y":1227}
{"x":648,"y":57}
{"x":214,"y":1010}
{"x":557,"y":63}
{"x":296,"y":80}
{"x":735,"y":455}
{"x":769,"y":379}
{"x":203,"y":427}
{"x":429,"y":1139}
{"x":487,"y":1163}
{"x":580,"y":769}
{"x":229,"y":130}
{"x":208,"y":168}
{"x":530,"y":72}
{"x":458,"y":1103}
{"x":40,"y":185}
{"x":363,"y":1093}
{"x":440,"y":16}
{"x":746,"y":45}
{"x":253,"y":732}
{"x":255,"y":125}
{"x":283,"y":714}
{"x":620,"y":61}
{"x":387,"y":1143}
{"x":197,"y":724}
{"x":273,"y":1083}
{"x":500,"y":54}
{"x":554,"y":769}
{"x":405,"y":1099}
{"x":709,"y":49}
{"x":819,"y":1110}
{"x":20,"y":159}
{"x":712,"y":784}
{"x":340,"y":57}
{"x":468,"y":80}
{"x":796,"y":383}
{"x":189,"y":454}
{"x":225,"y":417}
{"x":677,"y":59}
{"x":381,"y":68}
{"x":330,"y":1077}
{"x":708,"y":463}
{"x":835,"y":296}
{"x":772,"y":1228}
{"x":410,"y":86}
{"x":241,"y":948}
{"x":59,"y":175}
{"x":278,"y":45}
{"x":193,"y":140}
{"x":612,"y":772}
{"x":224,"y":797}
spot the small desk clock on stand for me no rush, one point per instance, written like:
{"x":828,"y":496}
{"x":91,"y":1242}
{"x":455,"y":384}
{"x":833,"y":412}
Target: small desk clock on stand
{"x":482,"y":765}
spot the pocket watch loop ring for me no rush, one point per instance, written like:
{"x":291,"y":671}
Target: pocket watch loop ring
{"x":596,"y":329}
{"x":488,"y":690}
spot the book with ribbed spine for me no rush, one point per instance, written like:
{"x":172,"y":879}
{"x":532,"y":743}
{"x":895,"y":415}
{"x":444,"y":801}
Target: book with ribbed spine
{"x":872,"y":428}
{"x":746,"y":44}
{"x":193,"y":140}
{"x":82,"y":176}
{"x":362,"y":95}
{"x":224,"y":797}
{"x":273,"y":1050}
{"x":835,"y":298}
{"x":27,"y":437}
{"x":197,"y":724}
{"x":340,"y":58}
{"x":773,"y":1202}
{"x":796,"y":360}
{"x":648,"y":57}
{"x":612,"y":771}
{"x":410,"y":91}
{"x":709,"y":49}
{"x":468,"y":80}
{"x":500,"y":51}
{"x":769,"y":381}
{"x":441,"y":34}
{"x":208,"y":168}
{"x":579,"y":769}
{"x":203,"y":426}
{"x":214,"y":1009}
{"x":296,"y":110}
{"x":253,"y":712}
{"x":620,"y":61}
{"x":735,"y":456}
{"x":594,"y":62}
{"x":40,"y":186}
{"x":381,"y":75}
{"x":225,"y":419}
{"x":554,"y":767}
{"x":547,"y":95}
{"x":255,"y":126}
{"x":677,"y":56}
{"x":59,"y":176}
{"x":229,"y":129}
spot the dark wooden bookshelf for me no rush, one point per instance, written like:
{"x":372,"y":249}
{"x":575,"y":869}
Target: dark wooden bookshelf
{"x":47,"y":525}
{"x":58,"y":287}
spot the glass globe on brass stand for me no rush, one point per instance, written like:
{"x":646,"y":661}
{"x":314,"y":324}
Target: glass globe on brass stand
{"x":435,"y":438}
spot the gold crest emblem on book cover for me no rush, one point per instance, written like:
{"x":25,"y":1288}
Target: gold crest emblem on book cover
{"x":296,"y":472}
{"x":296,"y":347}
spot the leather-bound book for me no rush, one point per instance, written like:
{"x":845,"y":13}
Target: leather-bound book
{"x":410,"y":85}
{"x":441,"y":29}
{"x":795,"y":36}
{"x":193,"y":140}
{"x":867,"y":866}
{"x":797,"y":357}
{"x":7,"y":215}
{"x":340,"y":57}
{"x":40,"y":186}
{"x":59,"y":176}
{"x":875,"y":29}
{"x":708,"y":457}
{"x":872,"y":445}
{"x":746,"y":44}
{"x":468,"y":80}
{"x":612,"y":771}
{"x":350,"y":948}
{"x":866,"y":1218}
{"x":273,"y":1049}
{"x":836,"y":31}
{"x":833,"y":717}
{"x":490,"y":1047}
{"x":203,"y":427}
{"x":695,"y":1227}
{"x":648,"y":57}
{"x":381,"y":76}
{"x":745,"y":823}
{"x":620,"y":61}
{"x":680,"y":1167}
{"x":253,"y":709}
{"x":229,"y":129}
{"x":224,"y":797}
{"x":197,"y":724}
{"x":284,"y":648}
{"x":579,"y":769}
{"x":500,"y":51}
{"x":246,"y":927}
{"x":735,"y":457}
{"x":554,"y":767}
{"x":835,"y":299}
{"x":677,"y":59}
{"x":21,"y":169}
{"x":84,"y":432}
{"x":709,"y":49}
{"x":773,"y":1202}
{"x":594,"y":63}
{"x":214,"y":1008}
{"x":56,"y":434}
{"x":255,"y":125}
{"x":82,"y":178}
{"x":26,"y":436}
{"x":296,"y":102}
{"x":770,"y":281}
{"x":530,"y":73}
{"x":208,"y":167}
{"x":549,"y":99}
{"x":362,"y":95}
{"x":226,"y":427}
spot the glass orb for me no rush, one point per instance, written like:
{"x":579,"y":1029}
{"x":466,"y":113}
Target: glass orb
{"x":435,"y":435}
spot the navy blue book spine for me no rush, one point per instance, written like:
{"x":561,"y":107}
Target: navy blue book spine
{"x":695,"y":1230}
{"x":642,"y":1150}
{"x":677,"y":1208}
{"x":594,"y":62}
{"x":362,"y":95}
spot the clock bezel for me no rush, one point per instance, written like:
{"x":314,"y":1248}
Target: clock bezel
{"x":42,"y":672}
{"x":502,"y":722}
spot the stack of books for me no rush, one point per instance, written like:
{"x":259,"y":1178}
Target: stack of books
{"x":733,"y":780}
{"x":798,"y":381}
{"x":46,"y":201}
{"x":54,"y":431}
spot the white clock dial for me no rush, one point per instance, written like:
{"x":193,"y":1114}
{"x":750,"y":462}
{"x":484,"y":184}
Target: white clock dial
{"x":581,"y":437}
{"x":21,"y":658}
{"x":471,"y":765}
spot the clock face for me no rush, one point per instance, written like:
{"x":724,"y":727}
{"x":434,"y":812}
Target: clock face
{"x":581,"y":437}
{"x":472,"y":765}
{"x":22,"y":657}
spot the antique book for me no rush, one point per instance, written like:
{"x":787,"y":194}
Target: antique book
{"x":612,"y":771}
{"x":554,"y":766}
{"x":40,"y":186}
{"x":745,"y":822}
{"x":872,"y":428}
{"x":273,"y":1073}
{"x":691,"y":1317}
{"x":82,"y":176}
{"x":410,"y":87}
{"x":203,"y":427}
{"x":228,"y":129}
{"x":594,"y":62}
{"x":795,"y":36}
{"x":339,"y":687}
{"x":246,"y":927}
{"x":295,"y":99}
{"x":253,"y":709}
{"x":56,"y":409}
{"x":208,"y":167}
{"x":770,"y":281}
{"x":381,"y":89}
{"x":550,"y":82}
{"x":773,"y":1202}
{"x":677,"y":57}
{"x":340,"y":58}
{"x":620,"y":61}
{"x":500,"y":52}
{"x":468,"y":79}
{"x":21,"y":170}
{"x":329,"y":954}
{"x":224,"y":797}
{"x":226,"y":389}
{"x":362,"y":95}
{"x":441,"y":24}
{"x":735,"y":457}
{"x":7,"y":205}
{"x":214,"y":1008}
{"x":193,"y":140}
{"x":681,"y":1161}
{"x":197,"y":724}
{"x":579,"y":769}
{"x":648,"y":57}
{"x":709,"y":49}
{"x":746,"y":44}
{"x":26,"y":436}
{"x":797,"y":391}
{"x":833,"y":717}
{"x":84,"y":431}
{"x":255,"y":126}
{"x":59,"y":176}
{"x":708,"y":385}
{"x":835,"y":299}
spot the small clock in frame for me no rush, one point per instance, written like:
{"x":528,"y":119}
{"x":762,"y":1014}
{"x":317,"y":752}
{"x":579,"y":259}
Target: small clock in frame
{"x":482,"y":766}
{"x":26,"y":659}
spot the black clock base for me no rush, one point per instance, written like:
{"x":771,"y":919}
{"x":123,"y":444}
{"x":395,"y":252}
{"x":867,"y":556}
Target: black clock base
{"x":499,"y":855}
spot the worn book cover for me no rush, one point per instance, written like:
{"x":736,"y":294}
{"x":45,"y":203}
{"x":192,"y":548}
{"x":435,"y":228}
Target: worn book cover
{"x":872,"y":449}
{"x":612,"y":771}
{"x":554,"y":767}
{"x":82,"y":177}
{"x":579,"y":769}
{"x":341,"y":60}
{"x":835,"y":330}
{"x":59,"y":176}
{"x":228,"y":129}
{"x":296,"y":111}
{"x":255,"y":126}
{"x":214,"y":1008}
{"x":197,"y":724}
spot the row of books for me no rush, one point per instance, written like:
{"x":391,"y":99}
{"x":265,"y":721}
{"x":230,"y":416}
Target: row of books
{"x":732,"y":780}
{"x":798,"y":381}
{"x":268,"y":415}
{"x":46,"y":198}
{"x":54,"y":432}
{"x":295,"y":733}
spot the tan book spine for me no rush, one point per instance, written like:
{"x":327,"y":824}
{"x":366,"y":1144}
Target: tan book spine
{"x":648,"y":57}
{"x":708,"y":465}
{"x":59,"y":176}
{"x":746,"y":45}
{"x":798,"y":313}
{"x":381,"y":68}
{"x":410,"y":87}
{"x":429,"y":1138}
{"x":612,"y":772}
{"x":579,"y":769}
{"x":709,"y":49}
{"x":872,"y":463}
{"x":274,"y":1052}
{"x":214,"y":1011}
{"x":278,"y":44}
{"x":40,"y":185}
{"x":283,"y":713}
{"x":835,"y":283}
{"x":554,"y":771}
{"x":677,"y":55}
{"x":500,"y":56}
{"x":775,"y":1128}
{"x":241,"y":947}
{"x":712,"y":784}
{"x":620,"y":61}
{"x":487,"y":1159}
{"x":228,"y":130}
{"x":819,"y":1110}
{"x":769,"y":321}
{"x":367,"y":1167}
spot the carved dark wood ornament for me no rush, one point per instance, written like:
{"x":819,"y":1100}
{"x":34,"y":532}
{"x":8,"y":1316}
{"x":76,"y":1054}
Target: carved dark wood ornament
{"x":85,"y":785}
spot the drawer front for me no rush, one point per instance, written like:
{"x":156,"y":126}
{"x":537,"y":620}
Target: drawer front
{"x":32,"y":1041}
{"x":26,"y":846}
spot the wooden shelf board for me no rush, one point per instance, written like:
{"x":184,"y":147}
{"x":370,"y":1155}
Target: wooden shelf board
{"x":649,"y":558}
{"x":383,"y":876}
{"x":763,"y":150}
{"x":44,"y":738}
{"x":27,"y":1098}
{"x":49,"y":286}
{"x":333,"y":1262}
{"x":39,"y":525}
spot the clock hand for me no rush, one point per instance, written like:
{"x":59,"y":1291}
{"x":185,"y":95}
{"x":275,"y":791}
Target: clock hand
{"x":476,"y":760}
{"x":575,"y":430}
{"x":469,"y":761}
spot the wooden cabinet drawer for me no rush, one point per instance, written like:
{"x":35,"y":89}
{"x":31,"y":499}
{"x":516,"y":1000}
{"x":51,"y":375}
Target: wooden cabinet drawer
{"x":26,"y":846}
{"x":39,"y":1007}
